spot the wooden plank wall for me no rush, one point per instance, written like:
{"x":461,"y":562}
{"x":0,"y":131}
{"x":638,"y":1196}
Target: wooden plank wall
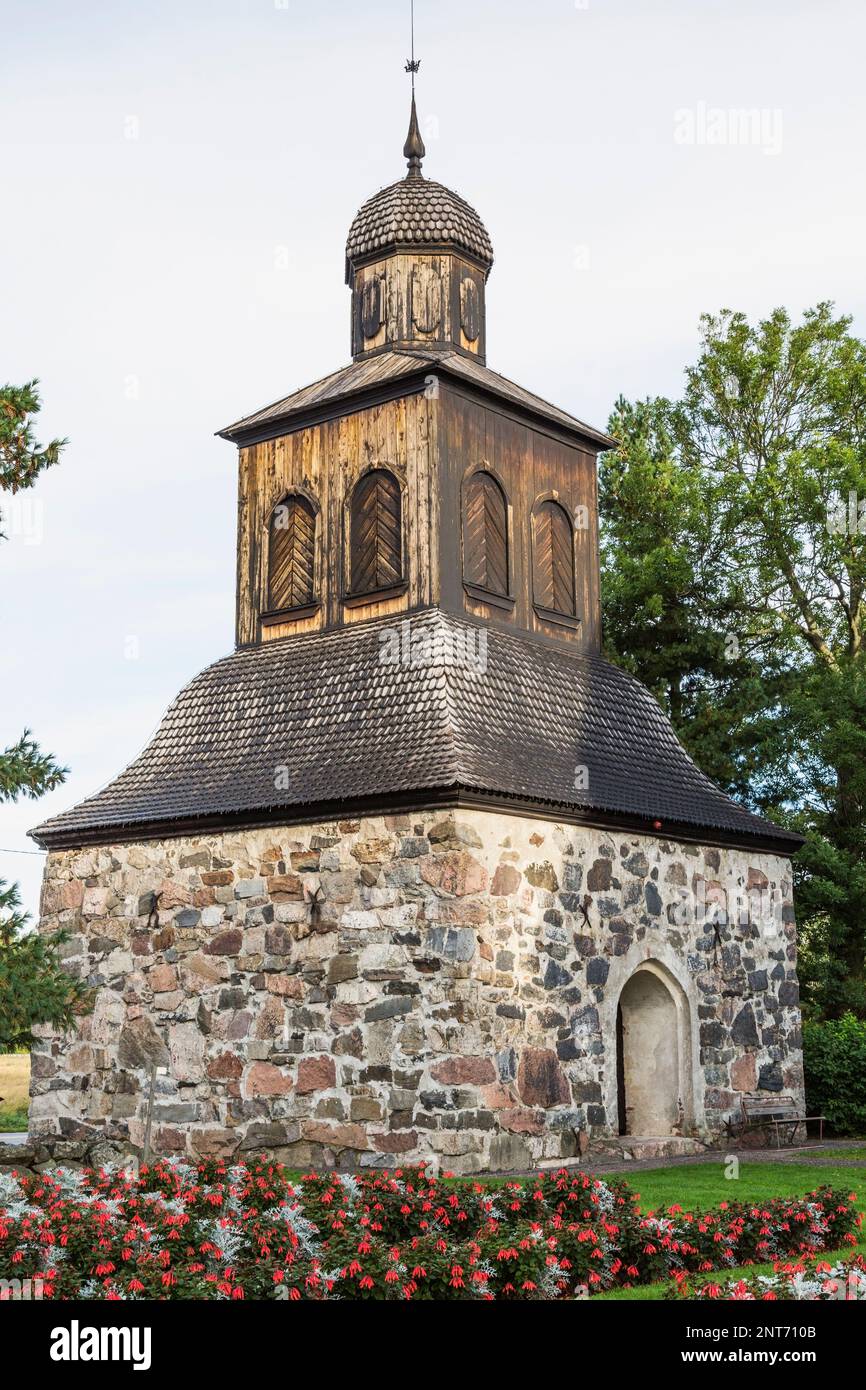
{"x":421,"y":303}
{"x":324,"y":461}
{"x":532,"y":464}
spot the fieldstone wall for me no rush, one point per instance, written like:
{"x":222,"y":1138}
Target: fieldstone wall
{"x":426,"y":986}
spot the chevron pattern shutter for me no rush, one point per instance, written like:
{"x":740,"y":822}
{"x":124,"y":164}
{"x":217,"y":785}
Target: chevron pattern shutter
{"x":485,"y":534}
{"x":291,"y":554}
{"x":553,"y":572}
{"x":376,"y":558}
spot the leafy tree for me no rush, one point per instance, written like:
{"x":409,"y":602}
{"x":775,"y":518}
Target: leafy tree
{"x":33,"y":986}
{"x":672,"y":604}
{"x":828,"y":728}
{"x":734,"y":583}
{"x":834,"y":1060}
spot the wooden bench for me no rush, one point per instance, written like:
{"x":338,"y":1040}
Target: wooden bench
{"x":778,"y":1113}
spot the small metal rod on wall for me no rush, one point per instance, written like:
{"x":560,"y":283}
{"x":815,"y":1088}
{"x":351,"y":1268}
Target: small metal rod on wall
{"x":149,"y":1118}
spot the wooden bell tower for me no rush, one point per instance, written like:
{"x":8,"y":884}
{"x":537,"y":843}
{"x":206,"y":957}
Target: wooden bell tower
{"x":416,"y":477}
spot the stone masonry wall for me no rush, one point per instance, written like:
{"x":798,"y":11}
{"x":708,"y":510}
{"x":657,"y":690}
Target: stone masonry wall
{"x":423,"y":986}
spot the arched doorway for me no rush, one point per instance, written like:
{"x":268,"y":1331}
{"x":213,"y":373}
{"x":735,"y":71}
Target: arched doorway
{"x":651,"y":1048}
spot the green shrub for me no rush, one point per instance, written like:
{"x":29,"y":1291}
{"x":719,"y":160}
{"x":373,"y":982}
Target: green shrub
{"x":13,"y":1117}
{"x":834,"y":1058}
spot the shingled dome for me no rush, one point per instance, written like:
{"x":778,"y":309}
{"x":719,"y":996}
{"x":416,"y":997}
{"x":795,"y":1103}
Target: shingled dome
{"x":417,"y":212}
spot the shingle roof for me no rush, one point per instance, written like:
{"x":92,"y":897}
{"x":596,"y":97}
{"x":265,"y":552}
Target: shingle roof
{"x":386,"y":367}
{"x":417,"y":212}
{"x":347,"y":381}
{"x":326,"y":723}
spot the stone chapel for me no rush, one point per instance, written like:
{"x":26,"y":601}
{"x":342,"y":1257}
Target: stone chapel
{"x":413,"y":873}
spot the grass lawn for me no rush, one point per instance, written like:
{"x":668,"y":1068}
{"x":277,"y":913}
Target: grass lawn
{"x":695,"y":1186}
{"x":14,"y":1087}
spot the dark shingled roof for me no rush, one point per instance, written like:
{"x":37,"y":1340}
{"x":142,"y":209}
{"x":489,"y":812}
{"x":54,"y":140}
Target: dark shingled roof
{"x":307,"y":726}
{"x":385,"y":367}
{"x":417,"y":213}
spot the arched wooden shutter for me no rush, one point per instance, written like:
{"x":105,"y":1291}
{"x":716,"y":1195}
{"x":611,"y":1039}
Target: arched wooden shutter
{"x":485,"y":534}
{"x":376,"y":559}
{"x":291,"y":554}
{"x":553,"y":572}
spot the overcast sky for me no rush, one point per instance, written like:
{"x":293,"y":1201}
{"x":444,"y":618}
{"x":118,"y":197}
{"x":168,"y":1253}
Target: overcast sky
{"x":178,"y":181}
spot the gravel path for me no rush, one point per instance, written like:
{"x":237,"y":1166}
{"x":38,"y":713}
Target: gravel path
{"x":818,"y":1154}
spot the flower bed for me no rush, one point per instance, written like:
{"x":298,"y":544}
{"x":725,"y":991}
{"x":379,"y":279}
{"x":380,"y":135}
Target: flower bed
{"x":206,"y":1231}
{"x":812,"y":1280}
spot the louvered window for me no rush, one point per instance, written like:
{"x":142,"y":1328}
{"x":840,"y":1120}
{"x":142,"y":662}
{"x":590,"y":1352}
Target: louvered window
{"x":553,"y":562}
{"x":291,"y":554}
{"x":376,"y":560}
{"x":485,"y":534}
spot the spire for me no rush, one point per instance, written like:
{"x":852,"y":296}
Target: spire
{"x":413,"y":149}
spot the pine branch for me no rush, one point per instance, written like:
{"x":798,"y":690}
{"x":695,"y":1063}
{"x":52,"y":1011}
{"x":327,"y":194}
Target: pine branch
{"x":25,"y":771}
{"x":21,"y":458}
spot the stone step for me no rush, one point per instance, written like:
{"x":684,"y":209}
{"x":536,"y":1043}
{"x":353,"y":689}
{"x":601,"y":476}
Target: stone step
{"x":637,"y":1146}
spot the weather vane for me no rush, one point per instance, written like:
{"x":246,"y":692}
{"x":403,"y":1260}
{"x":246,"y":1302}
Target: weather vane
{"x":413,"y":63}
{"x":414,"y":146}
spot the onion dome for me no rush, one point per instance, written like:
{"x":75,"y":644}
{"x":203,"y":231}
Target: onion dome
{"x":417,"y":214}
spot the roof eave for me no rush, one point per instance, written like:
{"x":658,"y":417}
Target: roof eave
{"x":242,"y":433}
{"x":251,"y":431}
{"x":785,"y":844}
{"x":571,"y":425}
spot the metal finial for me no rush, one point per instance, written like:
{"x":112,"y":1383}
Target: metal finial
{"x":413,"y":149}
{"x":414,"y":146}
